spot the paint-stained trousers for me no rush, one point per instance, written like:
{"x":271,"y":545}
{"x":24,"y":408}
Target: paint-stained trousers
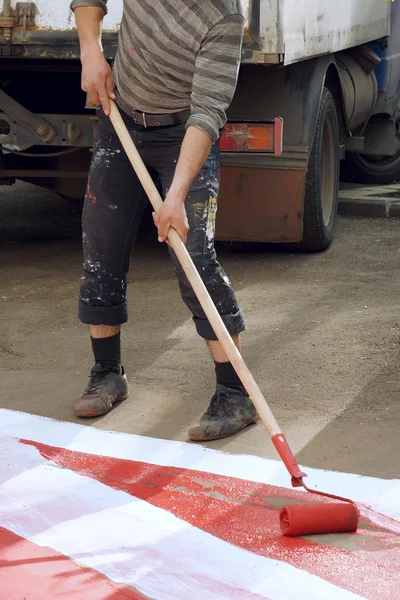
{"x":114,"y":205}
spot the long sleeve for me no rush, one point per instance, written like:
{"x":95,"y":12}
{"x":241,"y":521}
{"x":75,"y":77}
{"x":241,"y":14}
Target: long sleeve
{"x":100,"y":3}
{"x":215,"y":76}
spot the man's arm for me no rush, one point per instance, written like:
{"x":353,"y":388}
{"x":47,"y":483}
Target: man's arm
{"x":215,"y":76}
{"x":97,"y":76}
{"x":196,"y":147}
{"x":214,"y":84}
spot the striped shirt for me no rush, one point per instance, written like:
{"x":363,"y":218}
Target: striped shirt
{"x":178,"y":54}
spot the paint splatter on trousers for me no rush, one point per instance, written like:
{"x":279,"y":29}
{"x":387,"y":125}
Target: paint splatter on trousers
{"x":114,"y":204}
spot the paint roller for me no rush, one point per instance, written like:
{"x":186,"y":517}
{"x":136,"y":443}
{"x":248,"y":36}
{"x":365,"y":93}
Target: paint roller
{"x":295,"y":520}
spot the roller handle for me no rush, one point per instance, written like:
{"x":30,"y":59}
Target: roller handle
{"x":284,"y":451}
{"x":204,"y":298}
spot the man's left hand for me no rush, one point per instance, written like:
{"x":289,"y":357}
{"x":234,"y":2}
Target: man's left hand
{"x":172,"y":214}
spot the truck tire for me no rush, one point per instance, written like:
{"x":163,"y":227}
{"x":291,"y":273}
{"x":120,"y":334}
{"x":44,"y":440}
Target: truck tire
{"x":374,"y":170}
{"x":322,"y":181}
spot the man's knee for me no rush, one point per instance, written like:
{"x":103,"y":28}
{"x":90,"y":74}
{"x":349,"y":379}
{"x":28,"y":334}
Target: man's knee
{"x":99,"y":288}
{"x":102,"y":300}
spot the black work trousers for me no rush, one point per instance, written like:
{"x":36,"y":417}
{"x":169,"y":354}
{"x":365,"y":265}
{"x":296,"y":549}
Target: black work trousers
{"x":114,"y":205}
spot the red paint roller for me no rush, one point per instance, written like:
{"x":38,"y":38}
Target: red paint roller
{"x":295,"y":520}
{"x":311,"y":519}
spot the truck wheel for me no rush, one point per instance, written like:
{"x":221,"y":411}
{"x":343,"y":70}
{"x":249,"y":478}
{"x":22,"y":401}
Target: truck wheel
{"x":322,"y":181}
{"x":379,"y":170}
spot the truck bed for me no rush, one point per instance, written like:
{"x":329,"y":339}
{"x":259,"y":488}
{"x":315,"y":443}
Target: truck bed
{"x":299,"y":29}
{"x":277,"y":31}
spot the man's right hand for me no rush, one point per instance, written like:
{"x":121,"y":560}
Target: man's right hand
{"x":98,"y":80}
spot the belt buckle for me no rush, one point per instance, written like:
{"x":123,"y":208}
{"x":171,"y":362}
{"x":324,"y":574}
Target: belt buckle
{"x":135,"y":115}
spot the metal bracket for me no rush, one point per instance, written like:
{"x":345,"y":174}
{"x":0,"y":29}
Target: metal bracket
{"x":354,"y":143}
{"x":24,"y":16}
{"x":77,"y":131}
{"x":25,"y":12}
{"x":7,"y":21}
{"x":23,"y":116}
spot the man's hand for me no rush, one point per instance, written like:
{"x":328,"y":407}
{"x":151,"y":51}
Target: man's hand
{"x":98,"y":80}
{"x":172,"y":214}
{"x":97,"y":77}
{"x":194,"y":151}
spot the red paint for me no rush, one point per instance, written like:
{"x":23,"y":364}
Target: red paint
{"x":91,"y":195}
{"x":245,"y":514}
{"x":31,"y":572}
{"x":308,"y":519}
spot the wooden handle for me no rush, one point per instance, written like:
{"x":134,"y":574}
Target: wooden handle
{"x":196,"y":282}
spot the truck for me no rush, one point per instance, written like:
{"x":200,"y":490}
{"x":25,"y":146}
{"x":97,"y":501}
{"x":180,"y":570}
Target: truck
{"x":318,"y":93}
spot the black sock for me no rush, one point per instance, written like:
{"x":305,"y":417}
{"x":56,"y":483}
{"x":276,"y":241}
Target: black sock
{"x":226,"y":375}
{"x":107,"y":351}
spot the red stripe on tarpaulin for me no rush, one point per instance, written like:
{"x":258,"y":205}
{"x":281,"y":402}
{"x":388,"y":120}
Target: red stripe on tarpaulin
{"x":245,"y":514}
{"x":31,"y":572}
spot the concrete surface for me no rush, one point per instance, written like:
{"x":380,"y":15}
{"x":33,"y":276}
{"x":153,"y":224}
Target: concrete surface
{"x":369,"y":201}
{"x":322,"y":340}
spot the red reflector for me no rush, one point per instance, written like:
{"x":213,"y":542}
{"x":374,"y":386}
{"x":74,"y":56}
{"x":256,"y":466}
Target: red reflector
{"x":251,"y":137}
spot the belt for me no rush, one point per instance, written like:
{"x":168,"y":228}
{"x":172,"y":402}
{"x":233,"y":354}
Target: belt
{"x":153,"y":120}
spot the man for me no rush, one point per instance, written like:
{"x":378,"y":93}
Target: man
{"x":175,"y":75}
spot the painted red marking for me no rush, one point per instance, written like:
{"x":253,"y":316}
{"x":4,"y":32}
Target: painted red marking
{"x":91,"y":195}
{"x":245,"y":514}
{"x":31,"y":572}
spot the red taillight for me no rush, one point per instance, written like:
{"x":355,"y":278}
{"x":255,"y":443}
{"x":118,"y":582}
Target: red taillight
{"x":252,"y":137}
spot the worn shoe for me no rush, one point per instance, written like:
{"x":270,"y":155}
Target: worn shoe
{"x":106,"y":387}
{"x":230,"y":410}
